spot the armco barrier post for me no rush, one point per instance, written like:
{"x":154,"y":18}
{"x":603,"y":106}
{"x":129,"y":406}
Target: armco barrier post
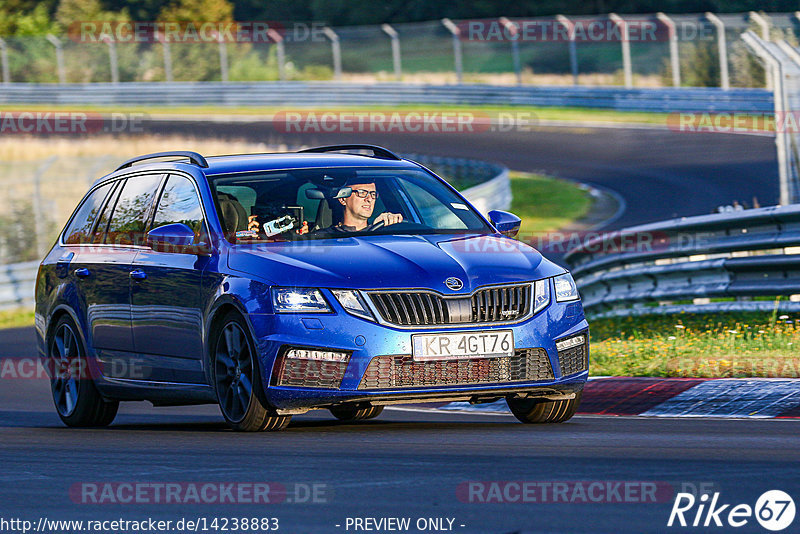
{"x":722,"y":50}
{"x":277,"y":38}
{"x":56,"y":42}
{"x":626,"y":48}
{"x":4,"y":60}
{"x":167,"y":56}
{"x":112,"y":58}
{"x":573,"y":48}
{"x":336,"y":51}
{"x":455,"y":31}
{"x":513,"y":31}
{"x":674,"y":58}
{"x":764,"y":25}
{"x":398,"y":67}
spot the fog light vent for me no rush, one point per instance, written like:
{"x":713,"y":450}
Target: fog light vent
{"x":310,"y":368}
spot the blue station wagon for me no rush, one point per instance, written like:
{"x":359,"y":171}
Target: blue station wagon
{"x":274,"y":284}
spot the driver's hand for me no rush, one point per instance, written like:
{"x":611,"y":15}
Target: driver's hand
{"x":252,"y":223}
{"x":388,"y":218}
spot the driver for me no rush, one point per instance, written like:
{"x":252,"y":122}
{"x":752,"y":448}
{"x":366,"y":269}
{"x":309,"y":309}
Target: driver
{"x":358,"y":208}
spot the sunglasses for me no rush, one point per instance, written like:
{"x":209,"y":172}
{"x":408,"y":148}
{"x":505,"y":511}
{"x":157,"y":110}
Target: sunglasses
{"x":363,"y":193}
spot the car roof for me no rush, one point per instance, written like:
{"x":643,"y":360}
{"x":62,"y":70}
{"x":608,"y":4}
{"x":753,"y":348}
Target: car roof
{"x":240,"y":163}
{"x":295,"y":160}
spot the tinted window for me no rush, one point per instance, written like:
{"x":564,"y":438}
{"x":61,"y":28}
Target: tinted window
{"x":102,"y":221}
{"x":179,"y":204}
{"x":81,"y":226}
{"x":131,"y":212}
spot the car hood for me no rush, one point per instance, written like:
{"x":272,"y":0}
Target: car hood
{"x":396,"y":261}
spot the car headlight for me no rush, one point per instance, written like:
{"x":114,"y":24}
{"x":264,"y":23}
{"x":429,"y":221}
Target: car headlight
{"x":541,"y":295}
{"x":352,"y":302}
{"x":566,"y":288}
{"x":299,"y":299}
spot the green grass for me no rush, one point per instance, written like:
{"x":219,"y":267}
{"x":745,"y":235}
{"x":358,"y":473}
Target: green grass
{"x":16,"y":318}
{"x":697,"y":345}
{"x":546,"y":204}
{"x":541,"y":113}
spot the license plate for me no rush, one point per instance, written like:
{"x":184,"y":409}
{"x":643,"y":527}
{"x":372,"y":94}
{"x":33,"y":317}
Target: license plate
{"x":462,"y":345}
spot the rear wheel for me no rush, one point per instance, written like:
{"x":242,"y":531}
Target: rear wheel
{"x":356,"y":412}
{"x":544,"y":411}
{"x":237,"y":380}
{"x":75,"y":396}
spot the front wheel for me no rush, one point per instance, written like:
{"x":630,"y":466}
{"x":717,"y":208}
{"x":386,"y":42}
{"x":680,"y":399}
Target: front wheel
{"x":237,"y":380}
{"x":544,"y":411}
{"x":75,"y":396}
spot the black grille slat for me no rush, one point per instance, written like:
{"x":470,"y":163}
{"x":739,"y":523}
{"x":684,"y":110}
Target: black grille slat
{"x":489,"y":305}
{"x":387,"y":372}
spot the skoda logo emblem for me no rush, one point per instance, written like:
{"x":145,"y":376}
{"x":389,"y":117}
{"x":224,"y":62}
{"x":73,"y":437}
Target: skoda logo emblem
{"x":454,"y":283}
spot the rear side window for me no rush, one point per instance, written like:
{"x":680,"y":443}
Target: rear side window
{"x":79,"y":230}
{"x":129,"y":218}
{"x":179,"y":204}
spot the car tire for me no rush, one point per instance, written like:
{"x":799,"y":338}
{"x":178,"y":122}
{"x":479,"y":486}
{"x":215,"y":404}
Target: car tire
{"x":538,"y":411}
{"x":356,"y":412}
{"x":237,"y":379}
{"x":76,"y":398}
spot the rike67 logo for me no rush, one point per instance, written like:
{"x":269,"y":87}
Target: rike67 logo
{"x":774,"y":510}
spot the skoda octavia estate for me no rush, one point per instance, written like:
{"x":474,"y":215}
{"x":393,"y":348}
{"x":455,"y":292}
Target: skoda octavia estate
{"x":274,"y":284}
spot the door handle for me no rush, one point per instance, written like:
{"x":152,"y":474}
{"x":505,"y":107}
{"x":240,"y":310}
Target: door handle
{"x":138,"y":274}
{"x":83,"y":272}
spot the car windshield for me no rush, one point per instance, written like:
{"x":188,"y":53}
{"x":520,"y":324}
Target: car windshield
{"x":325,"y":203}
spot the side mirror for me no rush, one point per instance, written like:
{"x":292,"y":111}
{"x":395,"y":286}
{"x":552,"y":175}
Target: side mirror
{"x":176,"y":238}
{"x":506,"y":223}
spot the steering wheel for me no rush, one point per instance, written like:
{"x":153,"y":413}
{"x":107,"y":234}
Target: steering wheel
{"x":374,"y":226}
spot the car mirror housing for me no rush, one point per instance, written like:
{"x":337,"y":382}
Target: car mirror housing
{"x":176,"y":238}
{"x":506,"y":223}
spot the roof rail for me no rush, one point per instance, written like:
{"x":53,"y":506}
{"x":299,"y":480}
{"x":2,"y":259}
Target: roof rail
{"x":377,"y":151}
{"x":194,"y":157}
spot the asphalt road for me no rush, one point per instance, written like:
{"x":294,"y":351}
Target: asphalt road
{"x":403,"y":464}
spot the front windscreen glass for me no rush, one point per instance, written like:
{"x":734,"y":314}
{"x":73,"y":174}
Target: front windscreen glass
{"x":339,"y":202}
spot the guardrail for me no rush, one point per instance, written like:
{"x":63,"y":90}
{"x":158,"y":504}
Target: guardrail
{"x":492,"y":192}
{"x":732,"y":261}
{"x":305,"y":94}
{"x":17,"y":281}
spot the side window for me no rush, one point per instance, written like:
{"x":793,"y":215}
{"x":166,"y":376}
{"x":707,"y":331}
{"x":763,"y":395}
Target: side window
{"x":131,"y":212}
{"x":102,"y":221}
{"x":80,"y":228}
{"x":179,"y":204}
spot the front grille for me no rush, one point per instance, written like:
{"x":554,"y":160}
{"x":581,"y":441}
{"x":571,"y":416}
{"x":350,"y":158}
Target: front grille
{"x":420,"y":308}
{"x":573,"y":360}
{"x":384,"y":372}
{"x":310,"y":373}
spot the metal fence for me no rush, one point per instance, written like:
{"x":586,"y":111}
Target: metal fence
{"x":732,"y":261}
{"x":700,"y":49}
{"x":485,"y":185}
{"x":330,"y":94}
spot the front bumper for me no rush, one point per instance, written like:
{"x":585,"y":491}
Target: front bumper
{"x":365,"y":340}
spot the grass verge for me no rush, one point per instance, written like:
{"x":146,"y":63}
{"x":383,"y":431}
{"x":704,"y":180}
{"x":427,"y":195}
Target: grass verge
{"x":546,"y":204}
{"x":724,"y":345}
{"x":16,"y":318}
{"x":531,"y":113}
